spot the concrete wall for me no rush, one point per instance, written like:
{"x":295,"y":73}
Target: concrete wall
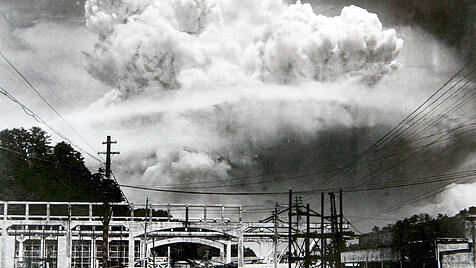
{"x":454,"y":253}
{"x":457,"y":260}
{"x":280,"y":265}
{"x":371,"y":255}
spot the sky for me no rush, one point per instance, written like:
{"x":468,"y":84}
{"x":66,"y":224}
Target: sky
{"x":247,"y":96}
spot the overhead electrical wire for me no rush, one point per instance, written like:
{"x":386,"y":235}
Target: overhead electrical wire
{"x":462,"y":179}
{"x":397,"y":129}
{"x":279,"y":179}
{"x":415,"y":116}
{"x":292,"y":177}
{"x":435,"y":178}
{"x":37,"y":118}
{"x":455,"y":107}
{"x":418,"y":150}
{"x":262,"y":181}
{"x":30,"y":85}
{"x":385,"y":145}
{"x":6,"y":39}
{"x":465,"y":98}
{"x":26,"y":80}
{"x":303,"y":175}
{"x":421,"y":197}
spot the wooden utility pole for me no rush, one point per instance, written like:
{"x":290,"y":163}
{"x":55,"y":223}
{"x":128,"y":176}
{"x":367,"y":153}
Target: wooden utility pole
{"x":107,"y":206}
{"x":145,"y":231}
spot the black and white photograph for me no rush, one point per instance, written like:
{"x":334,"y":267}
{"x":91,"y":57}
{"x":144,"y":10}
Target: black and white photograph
{"x":237,"y":133}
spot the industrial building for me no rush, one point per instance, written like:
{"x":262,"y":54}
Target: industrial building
{"x":422,"y":245}
{"x":54,"y":234}
{"x":70,"y":235}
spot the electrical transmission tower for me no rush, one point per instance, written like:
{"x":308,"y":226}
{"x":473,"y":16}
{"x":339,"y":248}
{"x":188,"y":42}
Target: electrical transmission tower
{"x":314,"y":239}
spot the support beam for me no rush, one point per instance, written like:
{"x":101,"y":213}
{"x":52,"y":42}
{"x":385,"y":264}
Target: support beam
{"x":131,"y":253}
{"x":222,"y":255}
{"x":240,"y":249}
{"x":169,"y":263}
{"x":228,"y":251}
{"x":27,"y":211}
{"x":132,"y":212}
{"x":4,"y":241}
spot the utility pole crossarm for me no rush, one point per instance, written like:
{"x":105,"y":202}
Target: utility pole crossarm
{"x":108,"y":154}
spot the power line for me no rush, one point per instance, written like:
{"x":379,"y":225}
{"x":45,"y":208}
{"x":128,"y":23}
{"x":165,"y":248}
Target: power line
{"x":348,"y":221}
{"x":385,"y":145}
{"x":419,"y":149}
{"x":297,"y":176}
{"x":397,"y":129}
{"x":43,"y":98}
{"x":421,"y":197}
{"x":37,"y":118}
{"x":442,"y":177}
{"x":44,"y":82}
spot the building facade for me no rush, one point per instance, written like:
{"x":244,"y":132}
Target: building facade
{"x":419,"y":245}
{"x":49,"y":234}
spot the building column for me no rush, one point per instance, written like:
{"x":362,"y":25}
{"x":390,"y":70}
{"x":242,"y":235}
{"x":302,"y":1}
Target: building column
{"x":64,"y":260}
{"x":9,"y":251}
{"x":473,"y":223}
{"x":93,"y":250}
{"x":21,"y":249}
{"x":4,"y":242}
{"x":169,"y":263}
{"x":131,"y":251}
{"x":240,"y":248}
{"x":228,"y":251}
{"x":222,"y":255}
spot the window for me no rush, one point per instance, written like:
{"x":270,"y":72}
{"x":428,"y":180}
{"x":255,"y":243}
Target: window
{"x":36,"y":253}
{"x":81,"y":254}
{"x":32,"y":248}
{"x":51,"y":253}
{"x":118,"y":252}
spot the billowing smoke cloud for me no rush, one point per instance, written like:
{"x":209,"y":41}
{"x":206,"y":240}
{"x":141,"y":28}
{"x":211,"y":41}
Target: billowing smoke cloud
{"x":452,"y":22}
{"x":162,"y":45}
{"x":186,"y":166}
{"x":208,"y":90}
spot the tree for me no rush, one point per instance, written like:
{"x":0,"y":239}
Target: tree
{"x":31,"y":169}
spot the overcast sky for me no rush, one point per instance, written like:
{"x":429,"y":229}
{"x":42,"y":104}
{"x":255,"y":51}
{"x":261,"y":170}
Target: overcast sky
{"x":244,"y":91}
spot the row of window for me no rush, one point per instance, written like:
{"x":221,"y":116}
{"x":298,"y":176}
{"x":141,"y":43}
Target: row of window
{"x":38,"y":253}
{"x":82,"y":255}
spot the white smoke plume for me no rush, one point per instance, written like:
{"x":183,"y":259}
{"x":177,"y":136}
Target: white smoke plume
{"x":239,"y":63}
{"x":191,"y":44}
{"x":208,"y":89}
